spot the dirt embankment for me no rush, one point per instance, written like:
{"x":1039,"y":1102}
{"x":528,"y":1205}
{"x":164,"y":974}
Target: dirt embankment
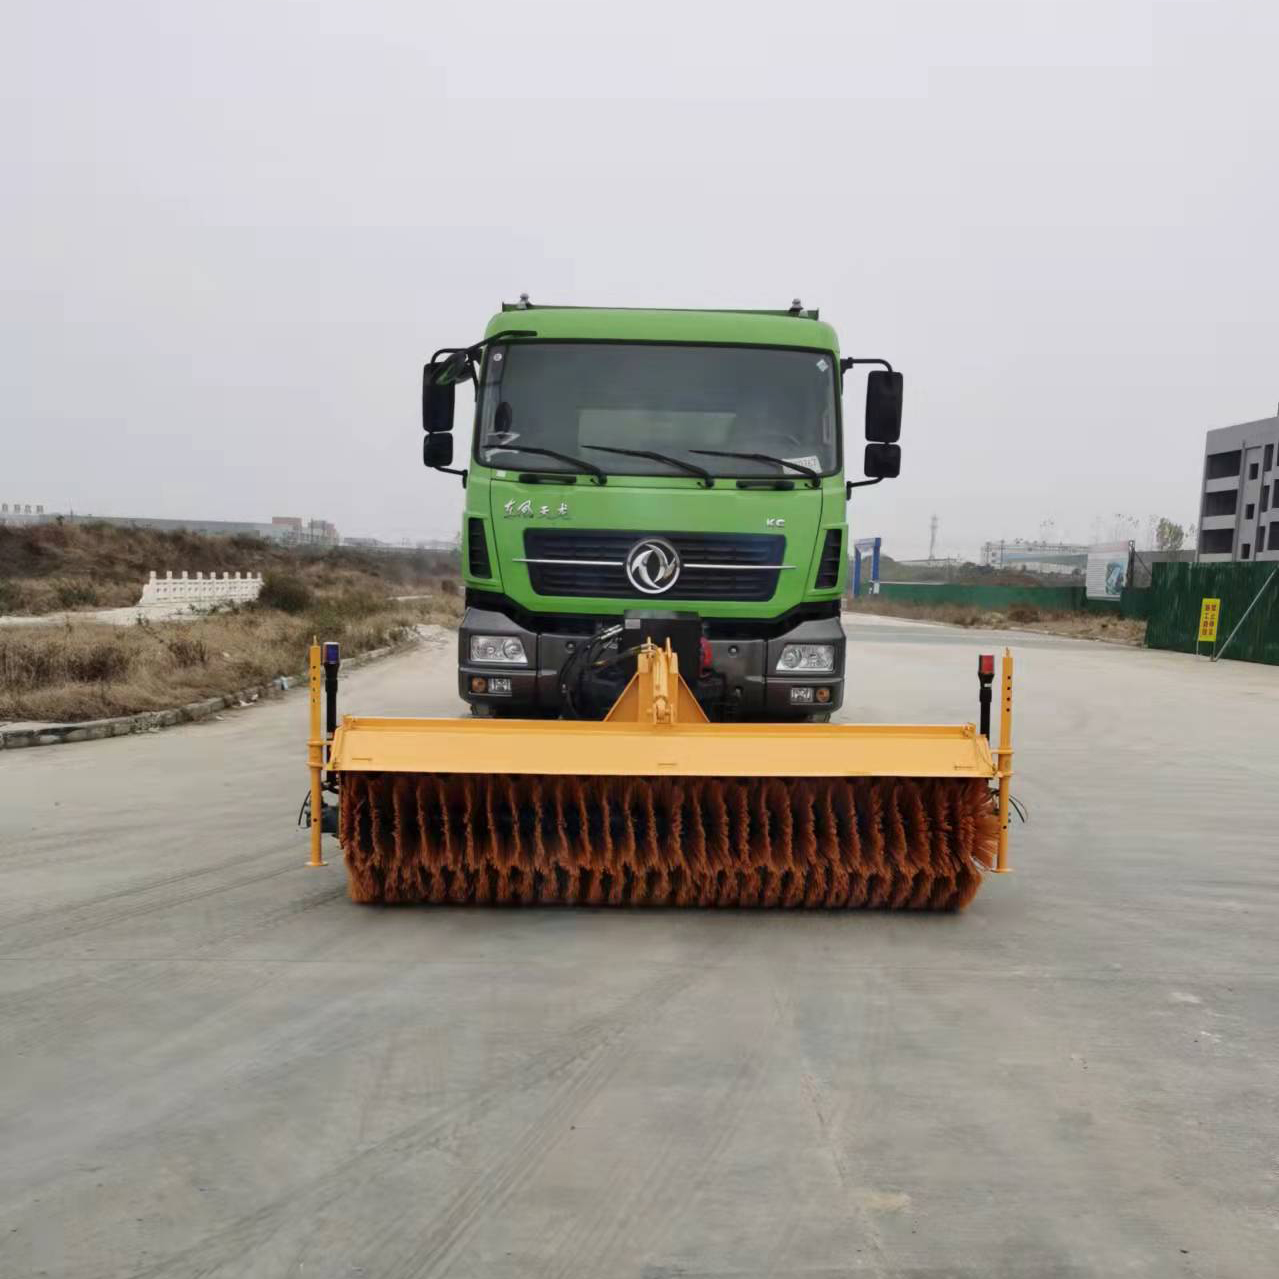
{"x":81,"y":669}
{"x":48,"y":568}
{"x":87,"y":670}
{"x":1023,"y":617}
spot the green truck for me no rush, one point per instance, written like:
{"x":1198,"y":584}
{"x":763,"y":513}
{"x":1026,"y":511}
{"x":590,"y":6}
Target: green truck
{"x":655,"y":474}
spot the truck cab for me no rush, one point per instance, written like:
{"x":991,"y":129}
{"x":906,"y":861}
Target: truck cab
{"x":654,"y":474}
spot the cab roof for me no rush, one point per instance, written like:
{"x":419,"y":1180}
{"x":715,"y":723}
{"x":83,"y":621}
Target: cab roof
{"x":601,"y":324}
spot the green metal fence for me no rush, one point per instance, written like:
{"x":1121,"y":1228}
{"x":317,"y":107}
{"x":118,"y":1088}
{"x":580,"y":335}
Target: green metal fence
{"x":1132,"y":603}
{"x":1178,"y":590}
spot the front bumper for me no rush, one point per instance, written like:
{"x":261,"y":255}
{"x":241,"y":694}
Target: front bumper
{"x":752,"y":687}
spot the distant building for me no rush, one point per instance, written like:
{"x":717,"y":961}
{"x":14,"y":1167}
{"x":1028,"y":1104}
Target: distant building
{"x":210,"y":528}
{"x":321,"y":533}
{"x":288,"y":529}
{"x":1041,"y":557}
{"x":294,"y":529}
{"x":1239,"y":498}
{"x":21,"y":513}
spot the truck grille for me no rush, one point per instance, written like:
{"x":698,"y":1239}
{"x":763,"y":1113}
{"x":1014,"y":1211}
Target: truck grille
{"x":713,"y":566}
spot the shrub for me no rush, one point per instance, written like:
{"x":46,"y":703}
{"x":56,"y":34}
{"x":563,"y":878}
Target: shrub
{"x":75,"y":594}
{"x":98,"y":663}
{"x":285,"y":592}
{"x":32,"y":663}
{"x":1023,"y":614}
{"x":187,"y":650}
{"x":357,"y":605}
{"x":12,"y":597}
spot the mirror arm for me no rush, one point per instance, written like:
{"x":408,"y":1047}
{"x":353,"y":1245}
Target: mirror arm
{"x":498,"y":337}
{"x":472,"y":353}
{"x":850,"y":485}
{"x":846,"y":364}
{"x":452,"y":470}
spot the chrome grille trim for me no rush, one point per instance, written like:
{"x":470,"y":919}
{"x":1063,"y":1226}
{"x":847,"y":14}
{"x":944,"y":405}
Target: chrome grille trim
{"x":724,"y":568}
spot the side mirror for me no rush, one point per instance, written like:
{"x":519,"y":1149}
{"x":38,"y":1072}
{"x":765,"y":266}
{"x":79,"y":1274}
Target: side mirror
{"x":883,"y":461}
{"x":437,"y":402}
{"x":883,"y":408}
{"x":437,"y":449}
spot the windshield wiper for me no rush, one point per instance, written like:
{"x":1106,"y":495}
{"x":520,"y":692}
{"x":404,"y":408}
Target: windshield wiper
{"x":708,"y":480}
{"x":815,"y":480}
{"x":587,"y":468}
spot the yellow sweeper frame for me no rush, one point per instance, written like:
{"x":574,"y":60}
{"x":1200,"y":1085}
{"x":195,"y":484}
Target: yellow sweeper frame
{"x":657,"y":729}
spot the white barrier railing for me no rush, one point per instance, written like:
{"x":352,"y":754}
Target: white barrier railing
{"x":200,"y":589}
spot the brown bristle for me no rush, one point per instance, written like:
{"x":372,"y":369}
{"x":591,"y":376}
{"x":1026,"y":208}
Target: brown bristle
{"x":898,"y":843}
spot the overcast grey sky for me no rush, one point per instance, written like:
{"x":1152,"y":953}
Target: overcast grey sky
{"x":232,"y":231}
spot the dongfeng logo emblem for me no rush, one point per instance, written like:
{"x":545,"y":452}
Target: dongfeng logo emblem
{"x":652,"y":566}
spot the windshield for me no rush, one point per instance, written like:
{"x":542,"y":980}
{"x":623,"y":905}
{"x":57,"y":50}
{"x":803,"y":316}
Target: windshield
{"x":582,"y":398}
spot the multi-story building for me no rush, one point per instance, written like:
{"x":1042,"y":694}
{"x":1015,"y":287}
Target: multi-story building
{"x":1239,"y":501}
{"x":19,"y":513}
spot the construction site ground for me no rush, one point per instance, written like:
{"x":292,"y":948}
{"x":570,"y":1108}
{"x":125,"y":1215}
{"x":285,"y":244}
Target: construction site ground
{"x":211,"y":1063}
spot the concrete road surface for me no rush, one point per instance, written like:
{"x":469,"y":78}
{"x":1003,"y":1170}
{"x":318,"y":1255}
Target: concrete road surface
{"x":212,"y":1064}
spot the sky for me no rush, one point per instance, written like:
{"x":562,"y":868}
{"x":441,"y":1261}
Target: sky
{"x":230,"y":233}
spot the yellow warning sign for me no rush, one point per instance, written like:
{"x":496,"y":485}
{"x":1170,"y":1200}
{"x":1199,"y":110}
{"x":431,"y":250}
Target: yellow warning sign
{"x":1209,"y":613}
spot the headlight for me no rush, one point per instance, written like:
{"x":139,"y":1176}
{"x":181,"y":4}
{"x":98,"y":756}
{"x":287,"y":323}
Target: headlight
{"x":498,"y":648}
{"x":807,"y":659}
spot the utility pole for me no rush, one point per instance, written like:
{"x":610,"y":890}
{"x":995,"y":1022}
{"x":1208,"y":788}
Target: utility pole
{"x":932,"y":538}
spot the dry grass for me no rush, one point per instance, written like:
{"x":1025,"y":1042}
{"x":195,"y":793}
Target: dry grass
{"x":1094,"y":626}
{"x":1027,"y":617}
{"x":49,"y":568}
{"x":38,"y":596}
{"x":86,"y":670}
